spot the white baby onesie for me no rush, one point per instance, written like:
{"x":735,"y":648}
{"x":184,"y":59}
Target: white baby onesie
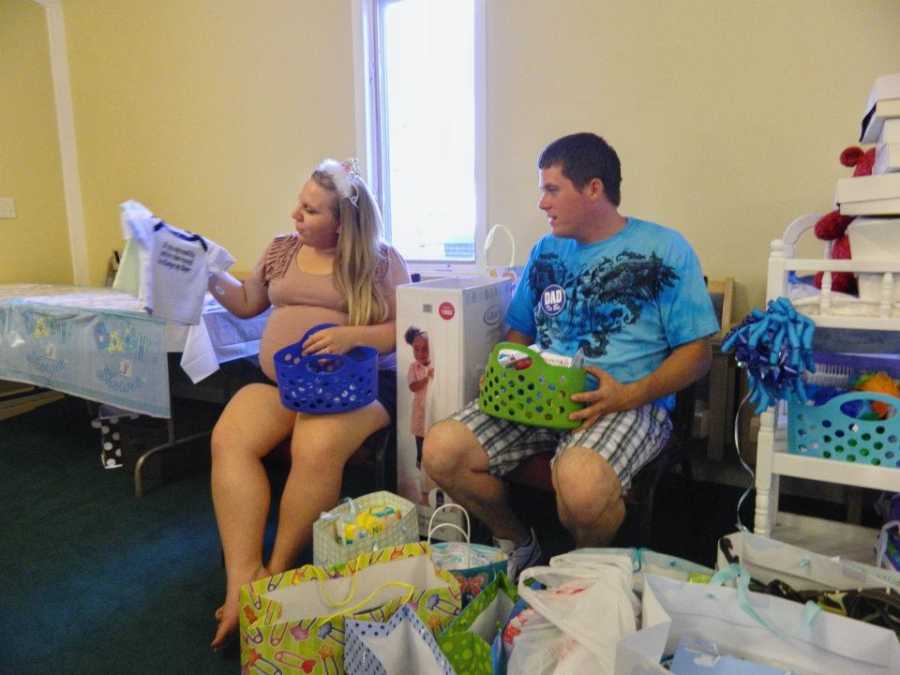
{"x":175,"y":264}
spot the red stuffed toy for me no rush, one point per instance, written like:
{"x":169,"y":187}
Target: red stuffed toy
{"x":833,"y":226}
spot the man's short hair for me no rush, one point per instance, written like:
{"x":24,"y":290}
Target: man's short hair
{"x":583,"y":157}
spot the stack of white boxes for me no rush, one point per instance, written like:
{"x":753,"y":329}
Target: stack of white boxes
{"x":446,"y":329}
{"x":875,"y":199}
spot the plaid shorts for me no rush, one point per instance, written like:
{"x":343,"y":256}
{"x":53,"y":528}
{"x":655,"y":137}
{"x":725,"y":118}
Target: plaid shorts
{"x":627,"y":440}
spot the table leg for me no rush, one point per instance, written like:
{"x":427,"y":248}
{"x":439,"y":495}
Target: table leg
{"x":170,"y":443}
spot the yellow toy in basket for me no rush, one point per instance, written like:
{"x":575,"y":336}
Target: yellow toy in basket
{"x":365,"y":524}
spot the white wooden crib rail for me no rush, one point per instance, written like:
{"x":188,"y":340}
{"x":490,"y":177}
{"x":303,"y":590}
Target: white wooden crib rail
{"x":782,"y":262}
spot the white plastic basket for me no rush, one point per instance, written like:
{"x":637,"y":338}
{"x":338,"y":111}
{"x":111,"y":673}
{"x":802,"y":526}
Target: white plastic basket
{"x":328,"y":551}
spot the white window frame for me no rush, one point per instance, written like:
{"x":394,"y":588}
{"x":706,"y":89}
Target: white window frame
{"x":369,"y":133}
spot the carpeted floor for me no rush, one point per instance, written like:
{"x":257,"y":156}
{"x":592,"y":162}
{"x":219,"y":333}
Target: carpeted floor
{"x":101,"y":582}
{"x":98,"y":581}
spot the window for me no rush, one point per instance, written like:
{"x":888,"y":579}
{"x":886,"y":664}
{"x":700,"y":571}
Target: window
{"x":420,"y":80}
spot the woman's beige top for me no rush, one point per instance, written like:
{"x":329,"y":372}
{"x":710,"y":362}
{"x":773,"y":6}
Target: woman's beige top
{"x":301,"y":300}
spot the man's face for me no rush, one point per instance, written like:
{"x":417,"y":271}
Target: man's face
{"x":566,"y":206}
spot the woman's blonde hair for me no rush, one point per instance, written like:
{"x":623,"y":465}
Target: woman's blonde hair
{"x":361,"y":255}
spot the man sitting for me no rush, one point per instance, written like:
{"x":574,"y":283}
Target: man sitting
{"x":626,"y":294}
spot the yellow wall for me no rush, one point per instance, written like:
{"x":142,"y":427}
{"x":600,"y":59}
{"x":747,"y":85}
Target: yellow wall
{"x":729,"y":116}
{"x":34,"y":246}
{"x":209,"y":111}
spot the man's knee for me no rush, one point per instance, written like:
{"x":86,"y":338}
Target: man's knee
{"x":445,"y":448}
{"x":587,"y":485}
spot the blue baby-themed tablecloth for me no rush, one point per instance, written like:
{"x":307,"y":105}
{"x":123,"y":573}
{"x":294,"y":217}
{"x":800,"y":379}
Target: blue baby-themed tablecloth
{"x":117,"y":357}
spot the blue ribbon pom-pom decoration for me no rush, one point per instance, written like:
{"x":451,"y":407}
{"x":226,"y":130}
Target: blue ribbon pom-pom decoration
{"x":775,"y":348}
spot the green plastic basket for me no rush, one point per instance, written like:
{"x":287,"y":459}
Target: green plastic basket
{"x":538,"y":395}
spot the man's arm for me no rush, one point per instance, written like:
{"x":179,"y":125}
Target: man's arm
{"x":518,"y":338}
{"x":686,"y":364}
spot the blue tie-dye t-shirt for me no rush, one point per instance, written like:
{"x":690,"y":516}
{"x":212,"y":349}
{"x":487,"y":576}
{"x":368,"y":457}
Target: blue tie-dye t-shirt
{"x":626,"y":301}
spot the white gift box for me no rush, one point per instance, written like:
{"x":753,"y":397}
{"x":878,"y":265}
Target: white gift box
{"x":875,"y":238}
{"x":869,"y":195}
{"x":463,"y":318}
{"x":887,"y":159}
{"x":883,"y":103}
{"x":890,"y":131}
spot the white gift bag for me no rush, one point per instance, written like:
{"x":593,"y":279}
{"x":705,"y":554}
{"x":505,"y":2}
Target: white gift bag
{"x":767,"y":559}
{"x":401,"y":645}
{"x":758,"y":627}
{"x":589,"y":599}
{"x":510,"y":270}
{"x":645,"y":561}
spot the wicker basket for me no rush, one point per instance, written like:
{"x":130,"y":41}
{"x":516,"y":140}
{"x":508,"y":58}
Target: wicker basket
{"x":327,"y":550}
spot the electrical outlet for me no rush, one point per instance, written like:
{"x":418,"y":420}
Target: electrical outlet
{"x":7,"y":207}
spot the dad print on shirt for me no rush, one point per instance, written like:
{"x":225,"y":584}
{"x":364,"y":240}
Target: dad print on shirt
{"x":602,"y":299}
{"x":625,"y":302}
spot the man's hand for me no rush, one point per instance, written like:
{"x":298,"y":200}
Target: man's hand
{"x":609,"y":396}
{"x":334,"y":340}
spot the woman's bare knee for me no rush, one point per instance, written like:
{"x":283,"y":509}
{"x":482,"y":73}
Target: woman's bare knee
{"x":253,"y":421}
{"x":230,"y":433}
{"x":222,"y":438}
{"x":449,"y":446}
{"x":316,"y":458}
{"x":326,"y":442}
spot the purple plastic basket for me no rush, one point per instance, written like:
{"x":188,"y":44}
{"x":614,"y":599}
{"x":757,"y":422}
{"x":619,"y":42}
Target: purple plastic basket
{"x":326,"y":383}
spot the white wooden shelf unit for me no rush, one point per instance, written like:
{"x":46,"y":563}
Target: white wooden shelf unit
{"x":854,"y":334}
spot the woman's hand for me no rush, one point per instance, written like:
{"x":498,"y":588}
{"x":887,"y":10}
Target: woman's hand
{"x":609,"y":396}
{"x":334,"y":340}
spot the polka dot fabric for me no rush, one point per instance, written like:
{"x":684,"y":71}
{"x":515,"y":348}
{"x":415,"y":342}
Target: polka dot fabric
{"x":402,"y":645}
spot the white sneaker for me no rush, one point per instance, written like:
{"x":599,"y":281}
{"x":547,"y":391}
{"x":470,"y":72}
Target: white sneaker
{"x":520,"y":557}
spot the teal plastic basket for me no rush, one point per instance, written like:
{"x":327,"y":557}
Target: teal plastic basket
{"x":538,"y":395}
{"x":827,"y":431}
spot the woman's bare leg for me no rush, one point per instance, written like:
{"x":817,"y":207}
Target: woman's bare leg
{"x":252,"y":424}
{"x":320,"y":447}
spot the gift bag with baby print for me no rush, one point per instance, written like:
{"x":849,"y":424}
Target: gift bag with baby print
{"x":467,"y":640}
{"x":294,"y":622}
